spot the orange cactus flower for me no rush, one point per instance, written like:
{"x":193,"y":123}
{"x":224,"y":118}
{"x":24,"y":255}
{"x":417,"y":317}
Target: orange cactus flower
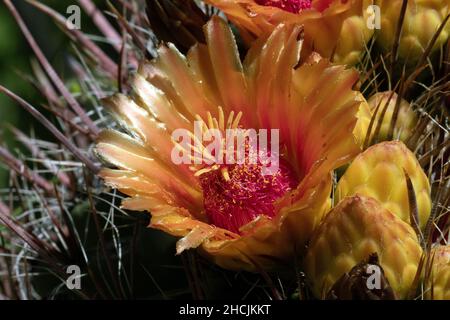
{"x":235,"y":214}
{"x":334,"y":28}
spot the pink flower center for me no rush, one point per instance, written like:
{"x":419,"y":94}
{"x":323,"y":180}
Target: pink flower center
{"x":236,"y":194}
{"x":294,"y":6}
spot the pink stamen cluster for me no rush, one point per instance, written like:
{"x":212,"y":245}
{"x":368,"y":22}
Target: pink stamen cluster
{"x":245,"y":194}
{"x":293,"y":6}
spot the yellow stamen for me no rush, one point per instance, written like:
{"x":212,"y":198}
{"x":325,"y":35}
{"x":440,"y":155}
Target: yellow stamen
{"x":236,"y":120}
{"x":225,"y":174}
{"x":206,"y":170}
{"x":230,"y":119}
{"x":221,"y":119}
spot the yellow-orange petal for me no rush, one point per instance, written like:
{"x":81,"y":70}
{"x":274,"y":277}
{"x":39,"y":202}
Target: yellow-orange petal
{"x":172,"y":66}
{"x":322,"y":116}
{"x":127,"y":154}
{"x":226,"y":64}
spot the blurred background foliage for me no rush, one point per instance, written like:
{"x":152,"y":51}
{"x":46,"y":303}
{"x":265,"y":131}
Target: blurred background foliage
{"x":15,"y":61}
{"x":16,"y":58}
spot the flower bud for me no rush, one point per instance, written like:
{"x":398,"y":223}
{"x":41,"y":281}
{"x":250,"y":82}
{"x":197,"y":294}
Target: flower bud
{"x":354,"y":230}
{"x":422,"y":20}
{"x":379,"y":172}
{"x":406,"y":119}
{"x":439,"y":282}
